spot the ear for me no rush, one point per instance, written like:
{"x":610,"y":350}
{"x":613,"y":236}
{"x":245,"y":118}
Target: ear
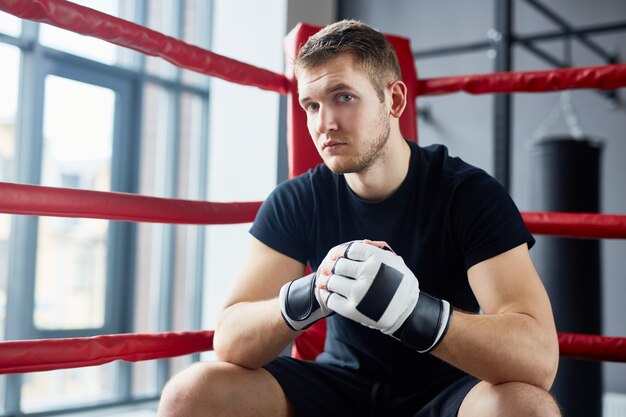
{"x":398,"y":98}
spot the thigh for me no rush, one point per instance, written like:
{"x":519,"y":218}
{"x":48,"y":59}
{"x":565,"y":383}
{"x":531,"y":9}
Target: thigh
{"x":316,"y":389}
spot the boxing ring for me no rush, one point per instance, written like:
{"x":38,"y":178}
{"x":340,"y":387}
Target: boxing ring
{"x":42,"y":355}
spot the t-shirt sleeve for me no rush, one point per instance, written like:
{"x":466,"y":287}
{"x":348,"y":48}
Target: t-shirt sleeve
{"x":485,"y":220}
{"x":284,"y":219}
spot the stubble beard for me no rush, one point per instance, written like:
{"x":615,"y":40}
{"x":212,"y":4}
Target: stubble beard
{"x":376,"y":149}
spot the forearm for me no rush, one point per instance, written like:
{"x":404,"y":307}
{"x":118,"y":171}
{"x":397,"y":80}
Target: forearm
{"x":499,"y":348}
{"x":251,"y":334}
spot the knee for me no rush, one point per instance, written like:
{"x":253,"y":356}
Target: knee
{"x":511,"y":399}
{"x":529,"y":400}
{"x":199,"y":390}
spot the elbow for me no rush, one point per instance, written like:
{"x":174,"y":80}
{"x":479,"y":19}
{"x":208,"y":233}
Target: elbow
{"x":550,"y":364}
{"x":545,"y":357}
{"x":224,"y":344}
{"x":545,"y":378}
{"x":539,"y":368}
{"x":546,"y":365}
{"x":220,"y":347}
{"x":221,"y":343}
{"x":227,"y":351}
{"x":541,"y":375}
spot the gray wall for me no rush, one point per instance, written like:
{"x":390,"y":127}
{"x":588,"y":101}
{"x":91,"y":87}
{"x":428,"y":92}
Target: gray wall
{"x":464,"y":123}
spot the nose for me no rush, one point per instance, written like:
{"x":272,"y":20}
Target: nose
{"x":325,"y":120}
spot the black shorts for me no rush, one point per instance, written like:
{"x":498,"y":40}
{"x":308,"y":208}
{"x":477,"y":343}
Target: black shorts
{"x":316,"y":389}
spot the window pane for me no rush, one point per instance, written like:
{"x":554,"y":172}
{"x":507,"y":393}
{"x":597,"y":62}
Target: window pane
{"x":2,"y":392}
{"x":43,"y":391}
{"x":10,"y":24}
{"x":155,"y":127}
{"x":78,"y":138}
{"x":71,"y":252}
{"x":196,"y":32}
{"x":70,"y":279}
{"x":192,"y":114}
{"x":154,"y":142}
{"x":187,"y":251}
{"x":5,"y":235}
{"x":161,"y":17}
{"x":146,"y":302}
{"x":9,"y":82}
{"x":89,"y":47}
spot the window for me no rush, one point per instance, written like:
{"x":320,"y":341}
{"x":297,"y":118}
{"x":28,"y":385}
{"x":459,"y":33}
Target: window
{"x":100,"y":117}
{"x":103,"y":118}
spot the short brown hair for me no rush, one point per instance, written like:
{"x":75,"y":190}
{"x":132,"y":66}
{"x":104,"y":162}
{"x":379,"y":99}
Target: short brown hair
{"x":370,"y":49}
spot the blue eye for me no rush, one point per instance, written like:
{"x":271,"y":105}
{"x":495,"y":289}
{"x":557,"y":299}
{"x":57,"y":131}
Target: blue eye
{"x":345,"y":97}
{"x":311,"y":107}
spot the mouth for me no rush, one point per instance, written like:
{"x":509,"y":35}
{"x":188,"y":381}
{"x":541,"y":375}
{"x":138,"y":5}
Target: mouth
{"x":331,"y":144}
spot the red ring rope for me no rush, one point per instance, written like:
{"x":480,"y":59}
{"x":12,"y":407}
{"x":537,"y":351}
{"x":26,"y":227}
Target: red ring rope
{"x":90,"y":22}
{"x":580,"y":225}
{"x":593,"y":347}
{"x":606,"y":77}
{"x":45,"y":355}
{"x":26,"y":355}
{"x":66,"y":202}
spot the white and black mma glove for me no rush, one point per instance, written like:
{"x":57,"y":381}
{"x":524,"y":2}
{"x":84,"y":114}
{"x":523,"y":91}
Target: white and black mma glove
{"x":374,"y":287}
{"x":301,"y":302}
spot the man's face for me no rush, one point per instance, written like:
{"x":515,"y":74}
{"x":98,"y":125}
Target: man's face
{"x":348,"y":123}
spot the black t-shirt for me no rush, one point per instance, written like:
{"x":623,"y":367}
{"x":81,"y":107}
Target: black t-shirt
{"x":445,"y":217}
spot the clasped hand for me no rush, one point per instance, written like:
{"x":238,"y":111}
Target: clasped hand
{"x":368,"y":283}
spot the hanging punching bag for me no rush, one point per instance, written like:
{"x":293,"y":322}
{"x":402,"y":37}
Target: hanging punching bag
{"x":565,"y":175}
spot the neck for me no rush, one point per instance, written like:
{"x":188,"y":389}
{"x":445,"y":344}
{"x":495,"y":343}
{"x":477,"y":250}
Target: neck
{"x":383,"y":178}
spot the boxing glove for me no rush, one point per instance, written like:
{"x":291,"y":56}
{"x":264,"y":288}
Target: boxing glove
{"x":374,"y":287}
{"x":301,"y":302}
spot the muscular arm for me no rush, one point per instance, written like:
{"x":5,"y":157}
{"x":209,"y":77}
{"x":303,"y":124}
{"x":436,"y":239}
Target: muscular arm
{"x":515,"y":339}
{"x":251,"y":331}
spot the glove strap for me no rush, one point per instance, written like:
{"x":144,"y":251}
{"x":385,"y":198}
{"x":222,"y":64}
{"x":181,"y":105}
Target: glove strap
{"x":426,"y":325}
{"x":298,"y":304}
